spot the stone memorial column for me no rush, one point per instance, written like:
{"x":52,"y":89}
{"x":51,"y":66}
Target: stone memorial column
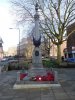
{"x":37,"y":59}
{"x":37,"y":67}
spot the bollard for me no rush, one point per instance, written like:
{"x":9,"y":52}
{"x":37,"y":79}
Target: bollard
{"x":55,"y":76}
{"x":0,"y":69}
{"x":18,"y":76}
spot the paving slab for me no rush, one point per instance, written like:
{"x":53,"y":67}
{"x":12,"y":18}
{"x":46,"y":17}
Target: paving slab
{"x":65,"y":92}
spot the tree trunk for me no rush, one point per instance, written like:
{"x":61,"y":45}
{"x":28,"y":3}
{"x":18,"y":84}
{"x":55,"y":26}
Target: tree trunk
{"x":59,"y":54}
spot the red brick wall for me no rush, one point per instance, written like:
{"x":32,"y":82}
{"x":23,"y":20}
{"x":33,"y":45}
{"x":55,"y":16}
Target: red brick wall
{"x":71,"y":38}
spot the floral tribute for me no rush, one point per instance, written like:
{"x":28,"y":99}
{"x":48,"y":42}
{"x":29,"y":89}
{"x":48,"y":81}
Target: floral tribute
{"x":22,"y":75}
{"x":48,"y":77}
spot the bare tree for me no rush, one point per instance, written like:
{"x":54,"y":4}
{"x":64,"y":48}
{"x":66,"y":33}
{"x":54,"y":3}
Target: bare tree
{"x":56,"y":15}
{"x":47,"y":46}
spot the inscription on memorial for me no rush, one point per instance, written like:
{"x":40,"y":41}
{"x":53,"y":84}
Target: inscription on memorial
{"x":36,"y":53}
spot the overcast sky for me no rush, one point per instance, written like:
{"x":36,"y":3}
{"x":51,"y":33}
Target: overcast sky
{"x":10,"y":36}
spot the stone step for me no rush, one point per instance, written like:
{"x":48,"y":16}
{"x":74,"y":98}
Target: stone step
{"x":36,"y":71}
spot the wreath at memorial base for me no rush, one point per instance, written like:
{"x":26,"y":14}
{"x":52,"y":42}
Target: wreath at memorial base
{"x":48,"y":77}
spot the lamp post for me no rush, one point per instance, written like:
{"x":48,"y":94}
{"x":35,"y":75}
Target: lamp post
{"x":18,"y":46}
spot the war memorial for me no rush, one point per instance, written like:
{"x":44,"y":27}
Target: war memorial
{"x":37,"y":76}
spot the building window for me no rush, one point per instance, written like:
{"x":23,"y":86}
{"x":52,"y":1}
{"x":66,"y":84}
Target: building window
{"x":74,"y":55}
{"x":70,"y":55}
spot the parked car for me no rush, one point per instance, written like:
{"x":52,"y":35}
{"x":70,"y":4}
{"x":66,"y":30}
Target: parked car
{"x":8,"y":64}
{"x":70,"y":60}
{"x":13,"y":64}
{"x":3,"y":66}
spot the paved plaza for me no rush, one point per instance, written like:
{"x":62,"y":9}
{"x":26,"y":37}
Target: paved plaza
{"x":65,"y":92}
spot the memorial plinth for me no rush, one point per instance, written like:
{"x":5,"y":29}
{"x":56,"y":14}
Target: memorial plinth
{"x":36,"y":59}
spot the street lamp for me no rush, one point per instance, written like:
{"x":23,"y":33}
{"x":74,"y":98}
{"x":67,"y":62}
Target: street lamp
{"x":18,"y":46}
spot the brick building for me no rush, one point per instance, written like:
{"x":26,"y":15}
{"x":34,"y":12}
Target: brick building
{"x":25,"y":48}
{"x":70,"y":50}
{"x":71,"y":38}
